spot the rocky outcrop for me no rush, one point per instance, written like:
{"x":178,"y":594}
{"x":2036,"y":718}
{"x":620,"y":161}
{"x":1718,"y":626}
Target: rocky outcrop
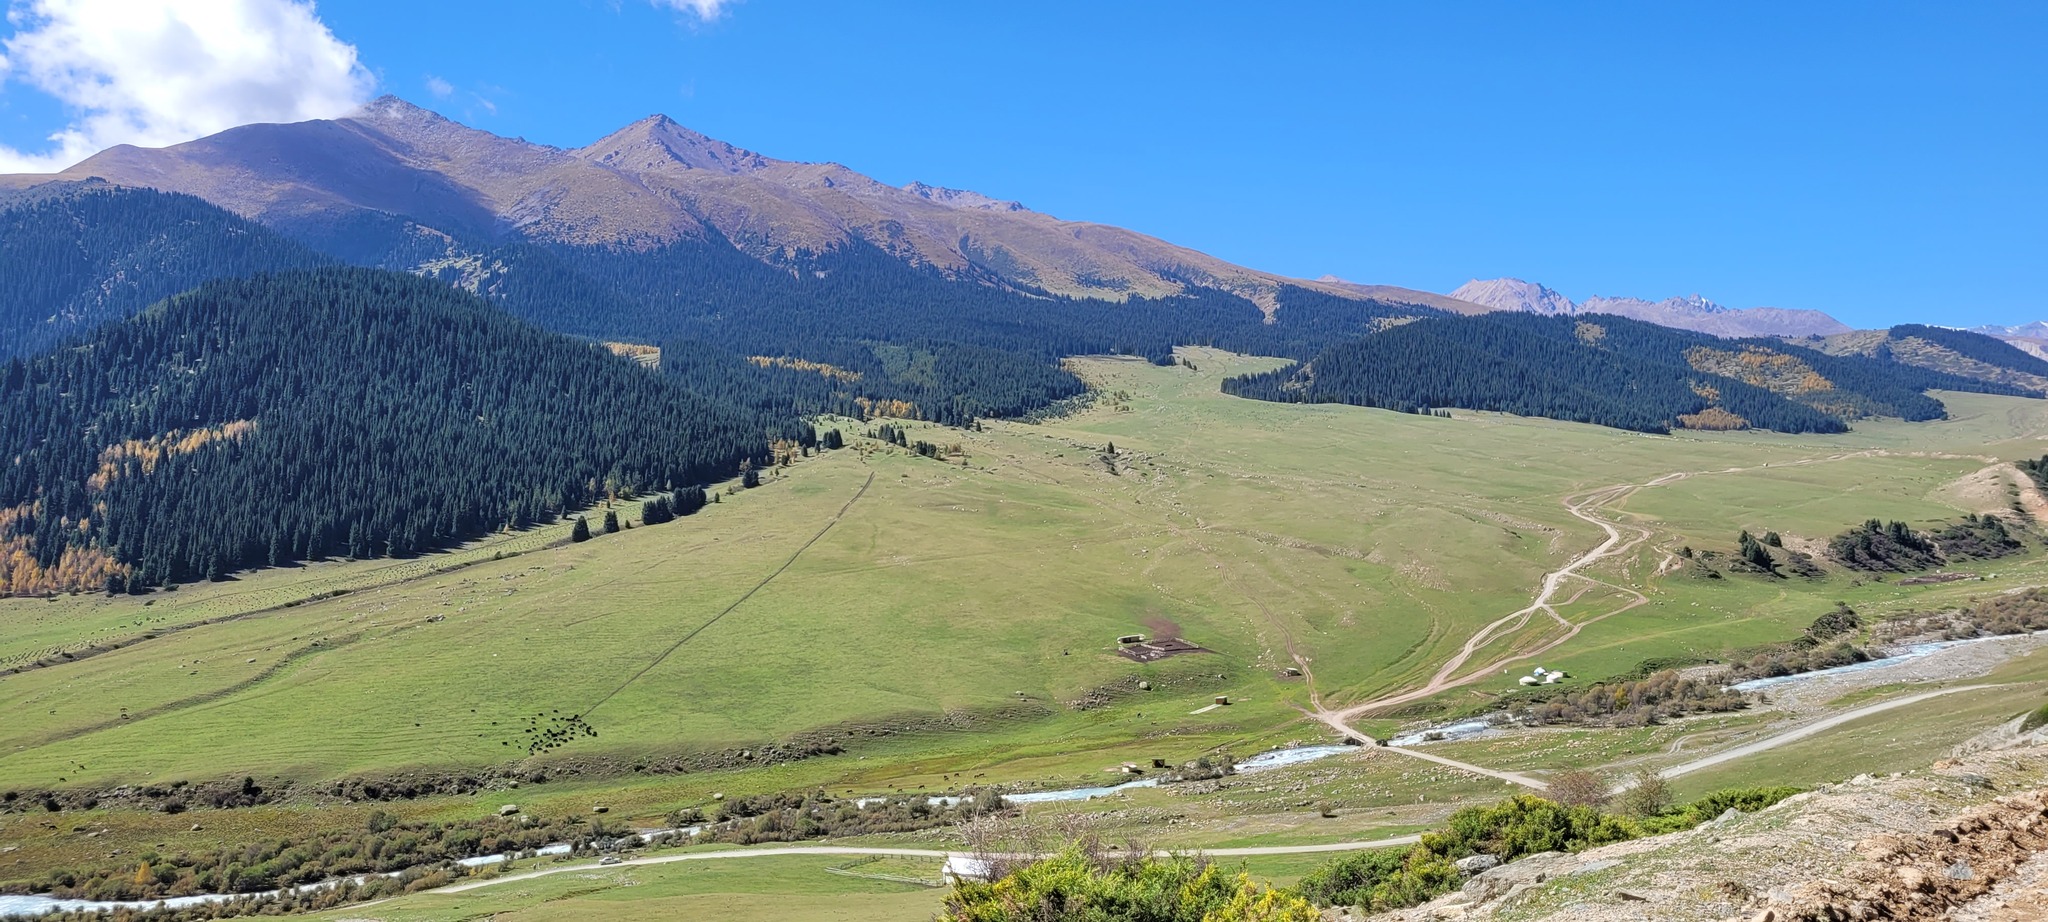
{"x":1966,"y":839}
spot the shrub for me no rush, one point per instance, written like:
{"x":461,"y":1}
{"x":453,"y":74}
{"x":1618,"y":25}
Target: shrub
{"x":1877,"y":547}
{"x":1978,"y":538}
{"x":1072,"y":885}
{"x":1524,"y":825}
{"x":1835,"y":623}
{"x":1648,"y":794}
{"x":1578,"y":789}
{"x":1514,"y":828}
{"x":1710,"y":807}
{"x":1654,"y":697}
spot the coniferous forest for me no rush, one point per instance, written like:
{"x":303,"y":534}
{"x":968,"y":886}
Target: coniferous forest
{"x":1600,"y":369}
{"x":76,"y":257}
{"x":1977,"y":346}
{"x":324,"y":413}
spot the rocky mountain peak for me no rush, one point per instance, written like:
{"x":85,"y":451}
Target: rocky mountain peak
{"x":391,"y":108}
{"x":1694,"y":302}
{"x":658,"y":143}
{"x":1514,"y":295}
{"x":961,"y":198}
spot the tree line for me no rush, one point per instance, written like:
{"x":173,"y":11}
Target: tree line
{"x":1604,"y":370}
{"x":336,"y":412}
{"x":75,"y":256}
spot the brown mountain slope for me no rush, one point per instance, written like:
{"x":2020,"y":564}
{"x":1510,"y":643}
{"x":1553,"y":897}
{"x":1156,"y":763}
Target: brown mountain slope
{"x":1397,"y":295}
{"x":397,"y":158}
{"x":650,"y":183}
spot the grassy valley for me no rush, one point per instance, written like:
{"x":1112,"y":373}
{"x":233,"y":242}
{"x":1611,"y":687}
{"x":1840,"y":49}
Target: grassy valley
{"x":872,"y":621}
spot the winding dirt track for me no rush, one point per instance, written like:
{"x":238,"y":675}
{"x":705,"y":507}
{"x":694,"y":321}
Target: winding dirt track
{"x":1620,"y":539}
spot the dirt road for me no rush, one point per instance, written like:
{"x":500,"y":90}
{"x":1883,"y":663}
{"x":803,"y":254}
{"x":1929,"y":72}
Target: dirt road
{"x":1620,"y":539}
{"x":860,"y":851}
{"x":1801,"y":732}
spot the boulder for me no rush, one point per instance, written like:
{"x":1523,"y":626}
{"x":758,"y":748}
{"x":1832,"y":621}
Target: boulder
{"x":508,"y":810}
{"x":1507,"y":879}
{"x":1475,"y":864}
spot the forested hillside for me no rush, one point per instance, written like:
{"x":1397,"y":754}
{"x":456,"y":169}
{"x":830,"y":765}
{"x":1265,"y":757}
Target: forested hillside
{"x":819,"y":302}
{"x":327,"y":412}
{"x":76,"y":256}
{"x":1975,"y":346}
{"x":908,"y":338}
{"x":1610,"y":371}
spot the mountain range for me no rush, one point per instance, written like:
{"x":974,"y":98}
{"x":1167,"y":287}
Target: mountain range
{"x":180,"y":306}
{"x":1688,"y":313}
{"x":650,"y":184}
{"x":432,"y":195}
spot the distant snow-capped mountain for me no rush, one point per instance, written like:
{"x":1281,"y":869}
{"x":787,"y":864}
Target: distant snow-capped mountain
{"x":2036,"y":330}
{"x":2031,"y":338}
{"x":1688,"y":313}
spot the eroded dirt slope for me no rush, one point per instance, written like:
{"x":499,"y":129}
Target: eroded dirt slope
{"x":1965,"y":840}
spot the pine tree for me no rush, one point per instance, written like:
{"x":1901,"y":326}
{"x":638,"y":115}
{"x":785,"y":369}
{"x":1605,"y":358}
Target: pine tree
{"x":581,"y":532}
{"x":611,"y":522}
{"x":1752,"y":550}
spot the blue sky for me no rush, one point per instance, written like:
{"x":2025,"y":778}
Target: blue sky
{"x":1879,"y":161}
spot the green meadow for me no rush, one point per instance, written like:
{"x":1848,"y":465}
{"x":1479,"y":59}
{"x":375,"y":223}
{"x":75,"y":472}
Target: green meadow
{"x":957,"y":622}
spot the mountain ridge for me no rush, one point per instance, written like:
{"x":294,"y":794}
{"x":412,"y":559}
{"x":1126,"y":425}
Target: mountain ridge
{"x":649,"y":184}
{"x":1691,"y":312}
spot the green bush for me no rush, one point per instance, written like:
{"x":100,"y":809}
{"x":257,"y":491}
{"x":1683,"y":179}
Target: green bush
{"x":1381,"y":879}
{"x":2034,"y":719}
{"x":1514,"y":828}
{"x":1745,"y":800}
{"x":1073,"y":888}
{"x":1524,"y":825}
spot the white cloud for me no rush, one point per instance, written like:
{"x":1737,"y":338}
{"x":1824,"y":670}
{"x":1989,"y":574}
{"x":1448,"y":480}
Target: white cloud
{"x":706,"y":10}
{"x":441,"y":89}
{"x":158,"y":72}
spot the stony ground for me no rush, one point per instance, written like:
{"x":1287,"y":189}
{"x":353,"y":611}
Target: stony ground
{"x":1965,"y":839}
{"x":1962,"y":662}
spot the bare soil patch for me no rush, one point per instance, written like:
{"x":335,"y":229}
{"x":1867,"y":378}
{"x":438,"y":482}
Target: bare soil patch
{"x":1933,"y":578}
{"x":1152,"y":651}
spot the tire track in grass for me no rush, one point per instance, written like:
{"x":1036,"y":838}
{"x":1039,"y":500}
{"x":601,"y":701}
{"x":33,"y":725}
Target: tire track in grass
{"x":742,"y":600}
{"x":290,"y":659}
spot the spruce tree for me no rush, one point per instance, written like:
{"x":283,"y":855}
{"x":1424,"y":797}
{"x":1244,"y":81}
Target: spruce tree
{"x":611,"y":522}
{"x":581,"y":532}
